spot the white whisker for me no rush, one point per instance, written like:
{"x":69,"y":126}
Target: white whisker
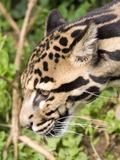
{"x":52,"y":136}
{"x":71,"y":124}
{"x":81,"y":125}
{"x":82,"y":117}
{"x":68,"y":131}
{"x":103,"y":97}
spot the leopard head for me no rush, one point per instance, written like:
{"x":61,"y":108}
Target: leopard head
{"x":59,"y":76}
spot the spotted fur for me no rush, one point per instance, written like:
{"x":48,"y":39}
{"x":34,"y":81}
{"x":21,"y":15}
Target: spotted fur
{"x":71,"y":66}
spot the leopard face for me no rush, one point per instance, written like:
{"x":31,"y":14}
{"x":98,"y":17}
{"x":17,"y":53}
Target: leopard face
{"x":60,"y":76}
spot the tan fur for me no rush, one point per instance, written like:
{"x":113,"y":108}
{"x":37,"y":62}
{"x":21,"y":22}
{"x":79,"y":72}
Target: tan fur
{"x":78,"y":62}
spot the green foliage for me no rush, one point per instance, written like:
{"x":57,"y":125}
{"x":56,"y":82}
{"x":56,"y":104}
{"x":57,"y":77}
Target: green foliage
{"x":71,"y":146}
{"x":7,"y":70}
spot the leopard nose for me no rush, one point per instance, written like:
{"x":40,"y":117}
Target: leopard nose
{"x":26,"y":115}
{"x":25,"y":120}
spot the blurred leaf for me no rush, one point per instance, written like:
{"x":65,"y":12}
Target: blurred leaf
{"x":82,"y":156}
{"x":19,"y":10}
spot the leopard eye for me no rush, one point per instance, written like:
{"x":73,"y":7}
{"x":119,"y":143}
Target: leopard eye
{"x":45,"y":93}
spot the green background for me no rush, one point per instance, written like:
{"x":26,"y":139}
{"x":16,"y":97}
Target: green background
{"x":84,"y":141}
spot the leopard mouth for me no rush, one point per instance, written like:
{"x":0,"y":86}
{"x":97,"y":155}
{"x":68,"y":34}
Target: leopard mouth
{"x":51,"y":128}
{"x":59,"y":128}
{"x":44,"y":127}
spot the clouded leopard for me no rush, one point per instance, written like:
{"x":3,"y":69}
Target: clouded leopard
{"x":70,"y":67}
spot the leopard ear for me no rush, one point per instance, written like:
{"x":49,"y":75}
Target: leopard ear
{"x":85,"y":49}
{"x":54,"y":20}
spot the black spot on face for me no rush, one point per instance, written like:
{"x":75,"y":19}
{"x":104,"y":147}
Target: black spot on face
{"x":47,"y":105}
{"x":33,"y":55}
{"x":66,"y":50}
{"x":30,"y":116}
{"x":51,"y":55}
{"x":42,"y":45}
{"x":63,"y":57}
{"x":77,"y":98}
{"x":63,"y":41}
{"x":51,"y":98}
{"x":75,"y":33}
{"x":51,"y":112}
{"x":47,"y":79}
{"x":66,"y":87}
{"x":45,"y":66}
{"x":56,"y":60}
{"x":57,"y":37}
{"x":57,"y":55}
{"x":38,"y":71}
{"x":35,"y":82}
{"x":42,"y":122}
{"x":44,"y":55}
{"x":56,"y":48}
{"x":47,"y":45}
